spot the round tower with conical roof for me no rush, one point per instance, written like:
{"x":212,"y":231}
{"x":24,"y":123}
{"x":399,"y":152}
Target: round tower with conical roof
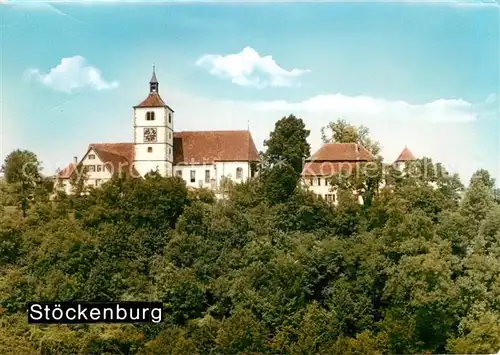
{"x":405,"y":156}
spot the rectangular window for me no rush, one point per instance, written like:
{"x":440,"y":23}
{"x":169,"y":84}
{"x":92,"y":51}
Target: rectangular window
{"x":192,"y":176}
{"x":207,"y":176}
{"x":169,"y":135}
{"x":91,"y":156}
{"x":178,"y":173}
{"x":99,"y":167}
{"x":98,"y":182}
{"x":91,"y":167}
{"x":315,"y":181}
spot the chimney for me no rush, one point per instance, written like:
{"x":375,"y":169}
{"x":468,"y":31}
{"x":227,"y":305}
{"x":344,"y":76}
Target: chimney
{"x":75,"y":160}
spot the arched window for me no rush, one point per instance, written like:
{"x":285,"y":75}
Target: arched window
{"x":239,"y":173}
{"x":150,"y":149}
{"x":150,"y":116}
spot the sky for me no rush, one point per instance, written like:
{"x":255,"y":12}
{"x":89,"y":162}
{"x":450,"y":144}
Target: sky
{"x":419,"y":74}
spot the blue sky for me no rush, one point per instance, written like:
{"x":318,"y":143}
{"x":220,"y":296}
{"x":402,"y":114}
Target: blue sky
{"x":424,"y":75}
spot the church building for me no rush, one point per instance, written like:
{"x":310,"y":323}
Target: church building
{"x":200,"y":158}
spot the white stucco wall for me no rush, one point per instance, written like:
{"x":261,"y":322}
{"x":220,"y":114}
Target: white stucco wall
{"x":320,"y":187}
{"x":96,"y":178}
{"x":161,"y":155}
{"x":184,"y":171}
{"x":217,"y":171}
{"x":228,"y":169}
{"x":63,"y":185}
{"x":144,"y":167}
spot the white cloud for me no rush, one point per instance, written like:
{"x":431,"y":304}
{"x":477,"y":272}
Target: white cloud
{"x":444,"y":129}
{"x":248,"y":68}
{"x":72,"y":73}
{"x":372,"y":108}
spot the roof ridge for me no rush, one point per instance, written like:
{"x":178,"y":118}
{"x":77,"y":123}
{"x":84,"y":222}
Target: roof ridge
{"x":152,"y":101}
{"x":214,"y":130}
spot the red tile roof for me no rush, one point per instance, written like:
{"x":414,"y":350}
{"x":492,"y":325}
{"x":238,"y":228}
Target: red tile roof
{"x":153,"y":100}
{"x":405,"y":155}
{"x":342,"y":152}
{"x":116,"y":157}
{"x":206,"y":147}
{"x":200,"y":147}
{"x":67,"y":171}
{"x":332,"y":158}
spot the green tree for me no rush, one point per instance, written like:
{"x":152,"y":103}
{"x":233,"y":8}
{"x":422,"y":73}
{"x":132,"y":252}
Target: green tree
{"x":287,"y":143}
{"x":78,"y":180}
{"x":22,"y":166}
{"x":280,"y":182}
{"x":479,"y":334}
{"x":22,"y":169}
{"x":273,"y":269}
{"x":483,"y":176}
{"x":341,"y":131}
{"x":363,"y":180}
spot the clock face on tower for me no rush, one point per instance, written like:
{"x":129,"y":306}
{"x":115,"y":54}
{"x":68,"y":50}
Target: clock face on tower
{"x":149,"y":135}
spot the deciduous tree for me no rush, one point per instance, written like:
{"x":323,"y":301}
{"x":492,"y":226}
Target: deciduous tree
{"x":341,"y":131}
{"x":287,"y":143}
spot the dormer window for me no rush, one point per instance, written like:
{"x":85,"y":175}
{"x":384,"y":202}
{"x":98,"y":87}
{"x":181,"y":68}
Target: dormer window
{"x":150,"y":116}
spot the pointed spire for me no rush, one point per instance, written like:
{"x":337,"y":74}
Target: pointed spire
{"x":153,"y":78}
{"x":153,"y":83}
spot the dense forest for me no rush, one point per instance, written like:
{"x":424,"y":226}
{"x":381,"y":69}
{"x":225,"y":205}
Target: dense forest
{"x":270,"y":269}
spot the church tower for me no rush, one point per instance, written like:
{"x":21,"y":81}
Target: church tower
{"x":153,"y":133}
